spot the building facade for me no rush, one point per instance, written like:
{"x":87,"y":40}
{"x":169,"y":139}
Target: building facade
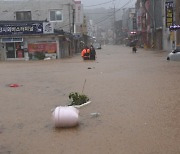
{"x":129,"y":27}
{"x":153,"y":23}
{"x":33,"y":26}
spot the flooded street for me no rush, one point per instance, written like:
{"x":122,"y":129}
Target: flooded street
{"x":136,"y":95}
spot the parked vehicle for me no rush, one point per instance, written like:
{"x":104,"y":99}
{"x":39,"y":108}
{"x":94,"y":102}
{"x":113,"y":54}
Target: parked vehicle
{"x":133,"y":43}
{"x":97,"y":45}
{"x":174,"y":55}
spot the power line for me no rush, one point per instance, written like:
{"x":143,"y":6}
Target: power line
{"x":117,"y":5}
{"x":103,"y":18}
{"x":95,"y":13}
{"x":114,"y":12}
{"x":99,"y":4}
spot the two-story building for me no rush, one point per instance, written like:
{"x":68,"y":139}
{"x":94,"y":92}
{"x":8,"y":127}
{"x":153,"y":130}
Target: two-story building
{"x":37,"y":26}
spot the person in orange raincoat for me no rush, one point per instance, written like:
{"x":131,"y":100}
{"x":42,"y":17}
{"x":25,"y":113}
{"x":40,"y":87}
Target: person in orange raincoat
{"x":85,"y":53}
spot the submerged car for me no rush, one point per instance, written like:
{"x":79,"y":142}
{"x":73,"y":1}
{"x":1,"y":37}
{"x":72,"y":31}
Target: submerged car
{"x":174,"y":55}
{"x":133,"y":43}
{"x":97,"y":45}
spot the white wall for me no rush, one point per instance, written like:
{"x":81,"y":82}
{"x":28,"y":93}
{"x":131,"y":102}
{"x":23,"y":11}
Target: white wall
{"x":39,"y":10}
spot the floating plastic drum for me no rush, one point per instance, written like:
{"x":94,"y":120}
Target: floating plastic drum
{"x":67,"y":116}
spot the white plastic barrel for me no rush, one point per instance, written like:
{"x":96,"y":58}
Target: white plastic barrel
{"x":65,"y":116}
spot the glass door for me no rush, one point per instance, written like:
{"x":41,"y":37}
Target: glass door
{"x":10,"y":50}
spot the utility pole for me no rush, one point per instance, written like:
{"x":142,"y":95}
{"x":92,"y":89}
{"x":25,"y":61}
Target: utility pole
{"x":69,"y":10}
{"x":154,"y":24}
{"x":73,"y":24}
{"x":114,"y":23}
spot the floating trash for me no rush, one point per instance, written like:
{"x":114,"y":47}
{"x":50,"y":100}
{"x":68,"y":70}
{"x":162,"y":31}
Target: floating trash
{"x":79,"y":106}
{"x":67,"y":116}
{"x":95,"y":114}
{"x":14,"y":85}
{"x":48,"y":58}
{"x":77,"y":98}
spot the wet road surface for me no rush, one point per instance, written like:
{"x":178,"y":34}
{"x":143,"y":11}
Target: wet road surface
{"x":136,"y":95}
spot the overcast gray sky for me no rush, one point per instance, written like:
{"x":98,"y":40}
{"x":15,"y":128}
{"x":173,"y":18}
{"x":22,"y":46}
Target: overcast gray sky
{"x":107,"y":3}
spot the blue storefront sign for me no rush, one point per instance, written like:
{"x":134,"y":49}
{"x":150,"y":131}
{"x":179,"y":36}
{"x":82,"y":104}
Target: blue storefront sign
{"x":21,"y":28}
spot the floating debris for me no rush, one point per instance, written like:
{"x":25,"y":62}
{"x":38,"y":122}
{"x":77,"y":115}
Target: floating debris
{"x":65,"y":116}
{"x":79,"y":106}
{"x":48,"y":58}
{"x":95,"y":114}
{"x":14,"y":85}
{"x":78,"y":99}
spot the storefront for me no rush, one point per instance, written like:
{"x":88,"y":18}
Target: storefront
{"x":13,"y":47}
{"x":34,"y":38}
{"x":48,"y":49}
{"x":20,"y":39}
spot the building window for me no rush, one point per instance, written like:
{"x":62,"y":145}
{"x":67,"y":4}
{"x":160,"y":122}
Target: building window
{"x":55,"y":15}
{"x":23,"y":16}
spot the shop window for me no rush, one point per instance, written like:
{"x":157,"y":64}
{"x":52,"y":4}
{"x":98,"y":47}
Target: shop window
{"x":23,"y":16}
{"x":12,"y":39}
{"x":55,"y":15}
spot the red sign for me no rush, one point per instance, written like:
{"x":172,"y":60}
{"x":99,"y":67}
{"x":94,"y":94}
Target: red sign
{"x":42,"y":47}
{"x":20,"y":53}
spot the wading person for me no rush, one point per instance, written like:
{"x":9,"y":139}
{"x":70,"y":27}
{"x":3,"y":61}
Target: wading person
{"x":92,"y":53}
{"x":134,"y":49}
{"x":85,"y":54}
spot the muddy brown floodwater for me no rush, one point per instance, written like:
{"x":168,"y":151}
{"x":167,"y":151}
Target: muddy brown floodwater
{"x":137,"y":97}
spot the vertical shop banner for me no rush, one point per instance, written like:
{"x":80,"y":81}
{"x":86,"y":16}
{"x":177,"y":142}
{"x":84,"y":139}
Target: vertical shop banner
{"x":169,"y":7}
{"x":42,"y":47}
{"x":139,"y":21}
{"x":134,"y":23}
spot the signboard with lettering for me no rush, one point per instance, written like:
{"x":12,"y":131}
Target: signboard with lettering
{"x":21,"y":28}
{"x":169,"y":14}
{"x":174,"y":27}
{"x":42,"y":47}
